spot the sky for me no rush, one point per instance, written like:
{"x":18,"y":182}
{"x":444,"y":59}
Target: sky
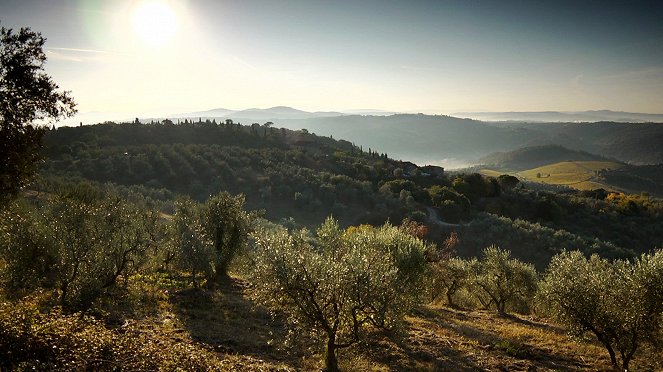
{"x":161,"y":57}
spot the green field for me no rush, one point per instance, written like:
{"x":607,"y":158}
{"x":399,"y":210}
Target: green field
{"x":492,"y":173}
{"x":582,"y":175}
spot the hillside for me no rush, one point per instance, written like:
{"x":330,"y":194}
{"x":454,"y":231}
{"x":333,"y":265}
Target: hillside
{"x":286,"y":173}
{"x":299,"y":179}
{"x":172,"y":326}
{"x":556,"y":165}
{"x":457,"y":143}
{"x":582,"y":175}
{"x":536,"y":156}
{"x":167,"y":307}
{"x":423,"y":139}
{"x":636,"y":143}
{"x":449,"y":141}
{"x":636,"y":178}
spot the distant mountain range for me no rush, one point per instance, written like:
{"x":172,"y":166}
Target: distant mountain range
{"x":564,"y":116}
{"x":274,"y":113}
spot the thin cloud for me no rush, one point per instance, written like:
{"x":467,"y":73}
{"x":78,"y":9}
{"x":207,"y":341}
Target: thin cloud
{"x":80,"y":54}
{"x":79,"y":50}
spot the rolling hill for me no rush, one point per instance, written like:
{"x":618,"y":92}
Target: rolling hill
{"x":582,"y":175}
{"x":453,"y":142}
{"x":557,"y":165}
{"x":536,"y":156}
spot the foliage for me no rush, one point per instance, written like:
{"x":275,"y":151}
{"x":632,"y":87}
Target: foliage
{"x":503,"y":282}
{"x":194,"y":249}
{"x":453,"y":206}
{"x":228,"y":224}
{"x":339,"y":282}
{"x":452,"y":275}
{"x":293,"y":174}
{"x":209,"y":236}
{"x":530,"y":242}
{"x":27,"y":94}
{"x":507,"y":182}
{"x":26,"y":247}
{"x":620,"y":302}
{"x":80,"y":242}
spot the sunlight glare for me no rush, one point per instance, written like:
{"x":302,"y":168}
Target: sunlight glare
{"x":154,"y":22}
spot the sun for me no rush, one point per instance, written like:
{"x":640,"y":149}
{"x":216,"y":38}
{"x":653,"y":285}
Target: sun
{"x":154,"y":22}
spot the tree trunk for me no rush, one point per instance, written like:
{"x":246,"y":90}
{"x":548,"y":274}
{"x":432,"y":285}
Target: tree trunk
{"x":501,"y":307}
{"x":450,"y":300}
{"x":613,"y":357}
{"x":331,"y":363}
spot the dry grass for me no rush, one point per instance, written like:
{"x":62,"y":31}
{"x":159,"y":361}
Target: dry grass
{"x":492,"y":173}
{"x":581,"y":175}
{"x":248,"y":337}
{"x":577,"y":174}
{"x":242,"y":335}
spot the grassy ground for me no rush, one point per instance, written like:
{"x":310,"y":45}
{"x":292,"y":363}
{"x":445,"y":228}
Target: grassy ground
{"x":581,"y":175}
{"x":160,"y":316}
{"x":246,"y":336}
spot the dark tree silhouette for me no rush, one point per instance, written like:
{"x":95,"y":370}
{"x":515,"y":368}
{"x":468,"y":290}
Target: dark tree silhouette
{"x":27,"y":95}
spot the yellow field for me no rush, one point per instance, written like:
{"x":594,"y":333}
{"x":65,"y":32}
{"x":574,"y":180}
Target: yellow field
{"x":581,"y":175}
{"x":577,"y":174}
{"x":491,"y":172}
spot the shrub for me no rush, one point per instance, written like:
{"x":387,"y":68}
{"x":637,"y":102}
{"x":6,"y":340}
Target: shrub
{"x":193,"y":245}
{"x":228,"y":224}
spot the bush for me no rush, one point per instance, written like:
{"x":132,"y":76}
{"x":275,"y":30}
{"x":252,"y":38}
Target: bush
{"x":620,"y":302}
{"x":339,"y":282}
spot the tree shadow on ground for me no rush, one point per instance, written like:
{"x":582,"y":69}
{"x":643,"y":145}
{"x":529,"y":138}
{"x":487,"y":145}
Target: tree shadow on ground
{"x":516,"y":350}
{"x":445,"y":339}
{"x":228,"y":321}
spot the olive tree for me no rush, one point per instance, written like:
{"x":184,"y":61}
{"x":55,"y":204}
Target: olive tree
{"x":27,"y":94}
{"x":503,"y":282}
{"x":193,"y":245}
{"x":620,"y":302}
{"x":80,"y":241}
{"x":450,"y":276}
{"x":209,"y":236}
{"x":228,"y":225}
{"x":338,"y":282}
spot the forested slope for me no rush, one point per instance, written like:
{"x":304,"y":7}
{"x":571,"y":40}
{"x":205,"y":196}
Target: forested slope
{"x":299,"y":179}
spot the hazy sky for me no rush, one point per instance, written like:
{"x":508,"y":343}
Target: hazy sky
{"x":161,"y":57}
